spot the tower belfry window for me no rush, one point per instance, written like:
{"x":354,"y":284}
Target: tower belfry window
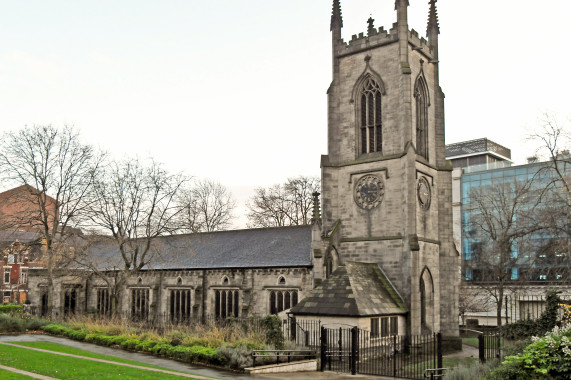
{"x":421,"y":119}
{"x":371,"y":115}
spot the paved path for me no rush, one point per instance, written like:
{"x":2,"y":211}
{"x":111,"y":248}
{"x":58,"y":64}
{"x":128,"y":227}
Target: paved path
{"x":30,"y":374}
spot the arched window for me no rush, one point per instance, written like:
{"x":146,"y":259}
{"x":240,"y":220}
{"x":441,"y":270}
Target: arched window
{"x":328,"y":266}
{"x":421,"y":118}
{"x":281,"y":300}
{"x":371,"y":117}
{"x":282,"y":280}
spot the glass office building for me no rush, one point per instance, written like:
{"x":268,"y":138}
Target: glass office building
{"x":493,"y":194}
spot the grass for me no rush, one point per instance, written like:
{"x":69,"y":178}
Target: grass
{"x":63,"y":367}
{"x":76,"y":351}
{"x":473,"y":341}
{"x":7,"y":375}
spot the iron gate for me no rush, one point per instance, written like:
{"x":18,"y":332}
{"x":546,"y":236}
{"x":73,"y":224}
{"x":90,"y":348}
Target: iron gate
{"x":353,"y":350}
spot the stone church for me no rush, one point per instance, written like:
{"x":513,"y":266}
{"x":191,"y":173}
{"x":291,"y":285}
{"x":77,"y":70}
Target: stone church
{"x":386,"y":183}
{"x":380,"y":252}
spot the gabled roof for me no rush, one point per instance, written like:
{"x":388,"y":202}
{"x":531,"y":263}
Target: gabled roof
{"x":353,"y":290}
{"x":249,"y":248}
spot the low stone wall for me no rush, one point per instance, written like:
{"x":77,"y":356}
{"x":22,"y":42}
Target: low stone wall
{"x":299,"y":366}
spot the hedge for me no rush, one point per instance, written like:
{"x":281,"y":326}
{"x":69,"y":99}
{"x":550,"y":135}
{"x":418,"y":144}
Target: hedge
{"x":10,"y":308}
{"x":527,"y":328}
{"x":188,"y":354}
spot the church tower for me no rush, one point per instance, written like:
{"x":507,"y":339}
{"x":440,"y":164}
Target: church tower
{"x":386,"y":183}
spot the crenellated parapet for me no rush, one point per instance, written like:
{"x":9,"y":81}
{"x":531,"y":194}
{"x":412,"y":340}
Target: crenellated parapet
{"x":420,"y":43}
{"x":379,"y":36}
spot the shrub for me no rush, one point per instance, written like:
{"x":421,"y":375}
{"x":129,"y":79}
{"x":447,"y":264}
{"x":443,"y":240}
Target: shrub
{"x":527,"y":328}
{"x":54,"y":328}
{"x":9,"y":308}
{"x":77,"y":334}
{"x":115,"y":340}
{"x":130,"y":343}
{"x":146,"y":345}
{"x":548,"y":357}
{"x":175,"y":338}
{"x":237,"y":357}
{"x":9,"y":323}
{"x":249,"y":345}
{"x":206,"y":355}
{"x":160,"y":348}
{"x":473,"y":370}
{"x":274,"y":335}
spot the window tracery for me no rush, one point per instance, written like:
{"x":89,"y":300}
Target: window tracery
{"x":421,"y":100}
{"x":371,"y":117}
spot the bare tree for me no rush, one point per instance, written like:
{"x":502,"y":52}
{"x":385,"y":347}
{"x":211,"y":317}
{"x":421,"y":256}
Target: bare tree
{"x":206,"y":206}
{"x":56,"y":172}
{"x":134,"y":203}
{"x":470,"y":300}
{"x":501,"y":216}
{"x":555,"y":142}
{"x":288,"y":204}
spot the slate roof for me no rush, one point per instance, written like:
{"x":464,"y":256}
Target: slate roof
{"x":249,"y":248}
{"x":21,"y":236}
{"x":353,"y":290}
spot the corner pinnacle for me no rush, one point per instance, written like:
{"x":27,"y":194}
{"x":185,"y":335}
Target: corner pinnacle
{"x":432,"y":19}
{"x":371,"y":28}
{"x":336,"y":17}
{"x":397,"y":3}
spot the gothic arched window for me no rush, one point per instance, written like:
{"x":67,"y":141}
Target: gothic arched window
{"x":371,"y":115}
{"x":421,"y":118}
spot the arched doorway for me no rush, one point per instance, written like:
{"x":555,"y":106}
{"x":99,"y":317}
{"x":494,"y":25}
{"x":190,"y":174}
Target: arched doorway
{"x":426,"y":289}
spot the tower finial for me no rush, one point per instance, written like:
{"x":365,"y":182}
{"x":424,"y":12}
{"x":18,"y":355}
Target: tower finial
{"x":432,"y":19}
{"x":316,"y":216}
{"x":336,"y":17}
{"x":398,"y":1}
{"x":371,"y":27}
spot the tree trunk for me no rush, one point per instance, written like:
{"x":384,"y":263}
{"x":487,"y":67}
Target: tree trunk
{"x":52,"y":312}
{"x":500,"y":304}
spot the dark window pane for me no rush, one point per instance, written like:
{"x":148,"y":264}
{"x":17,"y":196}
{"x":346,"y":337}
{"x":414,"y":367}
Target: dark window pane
{"x":363,"y":110}
{"x":236,"y":298}
{"x":273,"y":309}
{"x":217,"y":304}
{"x":280,"y":301}
{"x":223,"y":313}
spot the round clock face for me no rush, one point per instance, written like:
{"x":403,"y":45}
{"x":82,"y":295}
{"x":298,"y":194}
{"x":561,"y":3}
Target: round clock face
{"x":424,"y":195}
{"x":369,"y":191}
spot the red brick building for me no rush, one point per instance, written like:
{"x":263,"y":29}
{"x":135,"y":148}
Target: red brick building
{"x":21,"y":238}
{"x":14,"y":280}
{"x":20,"y":209}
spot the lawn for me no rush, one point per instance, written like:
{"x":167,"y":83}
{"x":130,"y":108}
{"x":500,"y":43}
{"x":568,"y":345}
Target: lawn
{"x":7,"y":375}
{"x":63,"y":367}
{"x":473,"y":341}
{"x":76,"y":351}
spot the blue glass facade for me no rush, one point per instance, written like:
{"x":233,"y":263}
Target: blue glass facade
{"x":534,"y":257}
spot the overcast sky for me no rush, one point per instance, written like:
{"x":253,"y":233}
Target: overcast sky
{"x":235,"y":90}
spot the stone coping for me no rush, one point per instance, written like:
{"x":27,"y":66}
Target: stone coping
{"x":297,"y":366}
